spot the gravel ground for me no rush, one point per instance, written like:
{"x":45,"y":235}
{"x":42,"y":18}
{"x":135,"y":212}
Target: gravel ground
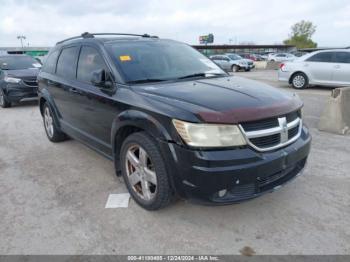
{"x":52,"y":199}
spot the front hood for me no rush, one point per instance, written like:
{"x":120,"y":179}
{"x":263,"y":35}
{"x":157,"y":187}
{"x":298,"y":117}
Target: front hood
{"x":224,"y":100}
{"x":23,"y":73}
{"x":248,"y":60}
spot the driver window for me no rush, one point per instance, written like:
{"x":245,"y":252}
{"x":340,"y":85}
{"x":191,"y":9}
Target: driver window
{"x":89,"y":61}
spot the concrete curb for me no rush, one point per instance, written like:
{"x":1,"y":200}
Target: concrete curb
{"x":336,"y":115}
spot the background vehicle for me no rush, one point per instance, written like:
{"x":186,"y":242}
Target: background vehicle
{"x":327,"y":67}
{"x":17,"y":78}
{"x":171,"y":119}
{"x":281,"y":57}
{"x":232,"y":62}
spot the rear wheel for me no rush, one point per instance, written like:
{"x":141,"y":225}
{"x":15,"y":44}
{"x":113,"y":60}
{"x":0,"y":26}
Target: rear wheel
{"x":4,"y":103}
{"x":51,"y":129}
{"x":299,"y":81}
{"x":144,"y":172}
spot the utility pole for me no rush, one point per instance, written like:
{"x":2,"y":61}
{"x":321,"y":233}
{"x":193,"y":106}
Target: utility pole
{"x":21,"y":38}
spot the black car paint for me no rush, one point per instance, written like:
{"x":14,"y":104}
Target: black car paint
{"x":100,"y":117}
{"x":15,"y":92}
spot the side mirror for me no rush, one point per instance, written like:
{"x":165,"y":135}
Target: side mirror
{"x":101,"y":79}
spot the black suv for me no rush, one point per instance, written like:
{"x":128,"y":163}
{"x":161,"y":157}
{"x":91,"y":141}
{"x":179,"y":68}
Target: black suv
{"x":172,"y":121}
{"x":17,"y":78}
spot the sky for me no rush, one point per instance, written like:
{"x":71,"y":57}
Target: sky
{"x":44,"y":22}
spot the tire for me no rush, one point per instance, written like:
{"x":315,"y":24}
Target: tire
{"x":299,"y":81}
{"x":235,"y":68}
{"x":4,"y":103}
{"x":147,"y":180}
{"x":54,"y":134}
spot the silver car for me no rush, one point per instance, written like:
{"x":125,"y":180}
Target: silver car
{"x":281,"y":57}
{"x":232,"y":62}
{"x":326,"y":67}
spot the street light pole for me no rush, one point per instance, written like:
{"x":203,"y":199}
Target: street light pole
{"x":21,"y":38}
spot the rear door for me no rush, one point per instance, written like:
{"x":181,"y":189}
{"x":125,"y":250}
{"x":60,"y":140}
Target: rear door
{"x":320,"y":68}
{"x":341,"y":74}
{"x":64,"y":82}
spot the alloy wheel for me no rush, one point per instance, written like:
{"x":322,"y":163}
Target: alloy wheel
{"x":48,"y":121}
{"x":298,"y":81}
{"x":140,"y":173}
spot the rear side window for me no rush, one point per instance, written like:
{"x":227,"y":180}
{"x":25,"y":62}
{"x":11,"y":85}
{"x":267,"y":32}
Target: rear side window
{"x":342,"y":57}
{"x":322,"y":57}
{"x":50,"y":63}
{"x":67,"y":62}
{"x":89,"y":61}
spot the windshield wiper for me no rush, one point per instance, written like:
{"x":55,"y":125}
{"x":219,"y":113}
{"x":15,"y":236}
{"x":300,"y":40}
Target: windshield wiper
{"x":201,"y":75}
{"x":146,"y":80}
{"x":193,"y":75}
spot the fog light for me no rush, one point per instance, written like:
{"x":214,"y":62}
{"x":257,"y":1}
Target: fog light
{"x":222,"y":193}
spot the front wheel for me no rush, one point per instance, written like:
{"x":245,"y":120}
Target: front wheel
{"x":144,"y":172}
{"x":235,"y":68}
{"x":299,"y":81}
{"x":4,"y":103}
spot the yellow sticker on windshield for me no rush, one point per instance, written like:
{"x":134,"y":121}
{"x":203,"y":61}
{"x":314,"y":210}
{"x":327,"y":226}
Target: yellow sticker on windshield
{"x":124,"y":58}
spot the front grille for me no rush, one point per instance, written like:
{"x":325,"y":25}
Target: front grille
{"x":293,"y":132}
{"x":30,"y":81}
{"x":273,"y":133}
{"x":262,"y":124}
{"x":266,"y":141}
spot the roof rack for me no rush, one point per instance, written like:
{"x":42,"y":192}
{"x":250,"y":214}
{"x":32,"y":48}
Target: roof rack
{"x":92,"y":35}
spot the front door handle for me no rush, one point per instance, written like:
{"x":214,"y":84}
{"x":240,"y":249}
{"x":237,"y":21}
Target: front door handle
{"x":73,"y":90}
{"x":337,"y":66}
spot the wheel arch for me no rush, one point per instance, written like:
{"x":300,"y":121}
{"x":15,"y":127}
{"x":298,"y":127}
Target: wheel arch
{"x":44,"y":97}
{"x":132,"y":121}
{"x":296,"y":72}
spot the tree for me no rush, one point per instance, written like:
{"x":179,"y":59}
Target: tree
{"x":301,"y":35}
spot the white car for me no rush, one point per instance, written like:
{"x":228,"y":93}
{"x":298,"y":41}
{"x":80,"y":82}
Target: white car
{"x":281,"y":57}
{"x":326,"y":67}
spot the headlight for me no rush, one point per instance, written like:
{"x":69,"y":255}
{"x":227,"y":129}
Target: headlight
{"x":12,"y":79}
{"x":209,"y":135}
{"x":242,"y":63}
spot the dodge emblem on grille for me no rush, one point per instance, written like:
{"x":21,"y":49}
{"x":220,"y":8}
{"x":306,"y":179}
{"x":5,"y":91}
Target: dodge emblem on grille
{"x":284,"y":133}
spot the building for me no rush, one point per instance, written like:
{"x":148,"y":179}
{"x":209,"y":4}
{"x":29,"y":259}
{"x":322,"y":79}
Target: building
{"x":256,"y":49}
{"x":32,"y":51}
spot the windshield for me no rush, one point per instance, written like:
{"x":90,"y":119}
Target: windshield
{"x":235,"y":57}
{"x":18,"y":62}
{"x":147,"y":61}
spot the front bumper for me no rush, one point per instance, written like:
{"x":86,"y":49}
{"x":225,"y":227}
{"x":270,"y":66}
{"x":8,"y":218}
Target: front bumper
{"x":244,"y":173}
{"x":246,"y":67}
{"x":20,"y":91}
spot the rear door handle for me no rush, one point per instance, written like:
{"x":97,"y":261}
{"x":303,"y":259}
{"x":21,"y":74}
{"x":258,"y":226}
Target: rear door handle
{"x":337,"y":66}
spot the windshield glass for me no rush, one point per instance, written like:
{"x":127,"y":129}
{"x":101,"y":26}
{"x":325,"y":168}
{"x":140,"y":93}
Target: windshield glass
{"x":18,"y":62}
{"x":234,"y":57}
{"x":160,"y":60}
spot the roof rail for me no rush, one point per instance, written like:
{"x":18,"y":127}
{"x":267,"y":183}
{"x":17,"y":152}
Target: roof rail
{"x":92,"y":35}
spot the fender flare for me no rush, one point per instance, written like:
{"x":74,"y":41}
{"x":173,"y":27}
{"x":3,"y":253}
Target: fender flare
{"x":141,"y":120}
{"x":44,"y":95}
